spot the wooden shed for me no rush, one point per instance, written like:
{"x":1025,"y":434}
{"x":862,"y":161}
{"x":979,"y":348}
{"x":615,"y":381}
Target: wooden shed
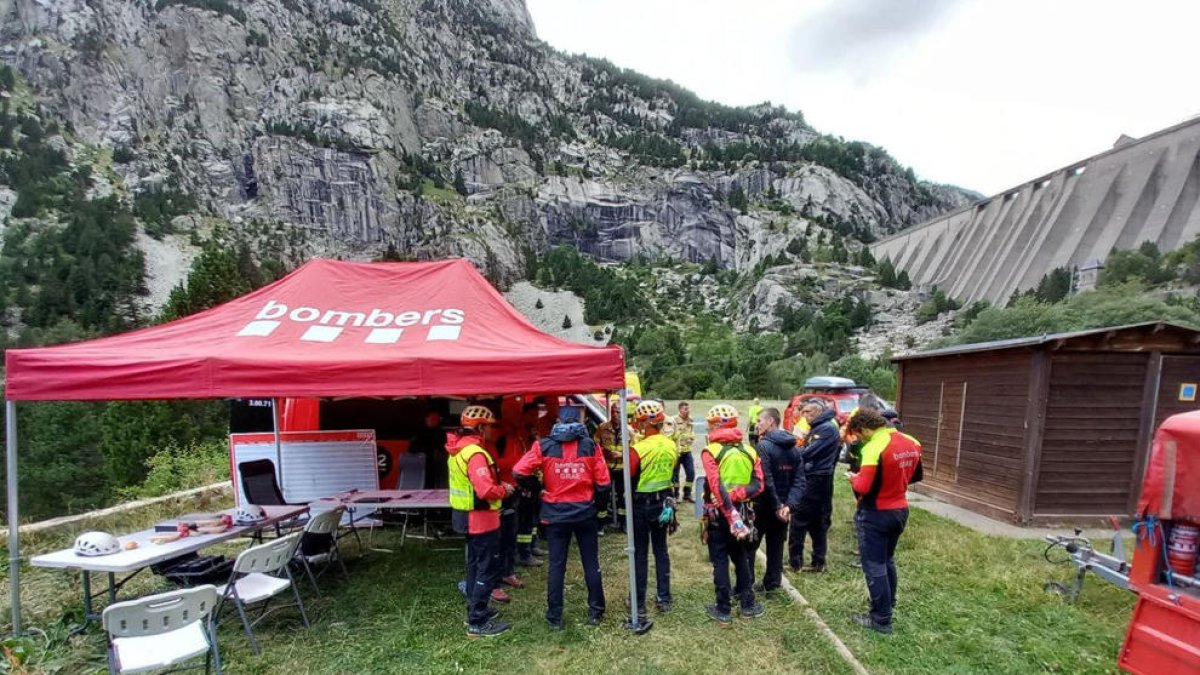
{"x":1047,"y":429}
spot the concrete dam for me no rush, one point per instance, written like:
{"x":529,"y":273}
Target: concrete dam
{"x":1141,"y":190}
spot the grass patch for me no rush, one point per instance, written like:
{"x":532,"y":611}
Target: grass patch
{"x":440,"y":195}
{"x":969,"y":603}
{"x":402,"y":613}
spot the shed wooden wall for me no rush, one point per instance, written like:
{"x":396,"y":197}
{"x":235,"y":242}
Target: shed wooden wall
{"x":1176,"y":370}
{"x":1090,"y":443}
{"x":968,"y":412}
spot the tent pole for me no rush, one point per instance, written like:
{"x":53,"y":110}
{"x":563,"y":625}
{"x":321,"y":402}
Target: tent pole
{"x":14,"y":520}
{"x":278,"y":444}
{"x":634,"y":619}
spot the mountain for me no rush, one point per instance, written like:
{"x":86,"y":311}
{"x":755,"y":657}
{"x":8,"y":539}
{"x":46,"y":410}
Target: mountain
{"x":423,"y":128}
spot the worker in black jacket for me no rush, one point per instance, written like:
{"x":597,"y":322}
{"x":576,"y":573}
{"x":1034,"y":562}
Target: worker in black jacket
{"x":820,"y":454}
{"x":783,"y":473}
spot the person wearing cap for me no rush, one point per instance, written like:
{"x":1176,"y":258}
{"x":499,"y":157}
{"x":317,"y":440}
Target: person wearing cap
{"x":575,"y":479}
{"x":733,"y":477}
{"x":652,"y":473}
{"x":476,"y":492}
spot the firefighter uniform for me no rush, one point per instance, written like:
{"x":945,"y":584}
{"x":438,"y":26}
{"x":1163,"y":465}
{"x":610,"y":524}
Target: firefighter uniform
{"x":608,"y":437}
{"x":733,"y":477}
{"x":575,"y":479}
{"x":652,"y":466}
{"x":891,"y":461}
{"x":475,"y":498}
{"x":685,"y":437}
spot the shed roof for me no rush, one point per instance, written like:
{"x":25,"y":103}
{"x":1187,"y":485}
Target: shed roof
{"x":1055,"y":339}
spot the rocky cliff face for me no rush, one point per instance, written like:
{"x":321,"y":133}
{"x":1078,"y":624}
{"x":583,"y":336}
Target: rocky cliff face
{"x":435,"y":127}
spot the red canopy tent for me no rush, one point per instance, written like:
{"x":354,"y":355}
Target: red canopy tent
{"x":327,"y":329}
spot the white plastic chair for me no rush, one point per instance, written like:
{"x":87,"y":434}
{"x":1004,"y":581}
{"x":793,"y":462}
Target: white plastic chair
{"x":322,"y":531}
{"x":163,"y":630}
{"x":255,"y":579}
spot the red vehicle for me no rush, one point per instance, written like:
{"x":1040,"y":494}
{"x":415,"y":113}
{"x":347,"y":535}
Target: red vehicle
{"x":839,"y":393}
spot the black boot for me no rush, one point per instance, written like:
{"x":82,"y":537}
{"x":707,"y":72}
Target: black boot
{"x":687,"y":494}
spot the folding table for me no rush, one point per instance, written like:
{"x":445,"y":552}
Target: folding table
{"x":130,"y":562}
{"x":371,"y":500}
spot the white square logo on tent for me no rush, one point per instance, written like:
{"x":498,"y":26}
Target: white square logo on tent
{"x":321,"y":334}
{"x":384,"y":336}
{"x":443,"y":332}
{"x":259,"y":328}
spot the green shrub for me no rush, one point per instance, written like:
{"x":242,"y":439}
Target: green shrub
{"x":1113,"y":306}
{"x":175,"y":468}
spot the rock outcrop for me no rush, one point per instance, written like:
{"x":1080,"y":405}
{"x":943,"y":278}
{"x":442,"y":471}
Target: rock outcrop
{"x":436,"y":127}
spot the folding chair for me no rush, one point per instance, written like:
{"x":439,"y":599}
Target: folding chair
{"x":318,"y":544}
{"x":412,"y":471}
{"x":261,"y":487}
{"x":163,"y":630}
{"x":260,"y":484}
{"x":412,"y":477}
{"x":255,"y":579}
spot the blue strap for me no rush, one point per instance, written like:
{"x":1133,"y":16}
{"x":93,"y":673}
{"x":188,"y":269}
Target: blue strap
{"x":1147,"y":529}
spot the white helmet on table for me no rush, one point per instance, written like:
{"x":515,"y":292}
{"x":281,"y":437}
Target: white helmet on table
{"x":249,"y":513}
{"x":96,"y":543}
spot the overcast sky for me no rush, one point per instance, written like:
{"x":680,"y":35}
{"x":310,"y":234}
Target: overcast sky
{"x":985,"y":94}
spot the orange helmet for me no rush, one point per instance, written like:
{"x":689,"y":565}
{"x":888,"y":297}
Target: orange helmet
{"x":649,"y":412}
{"x":723,"y":416}
{"x":474,"y":416}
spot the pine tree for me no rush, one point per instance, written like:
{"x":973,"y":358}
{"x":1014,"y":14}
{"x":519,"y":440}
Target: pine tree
{"x":887,"y":274}
{"x":539,"y":304}
{"x":566,"y":322}
{"x":460,"y":184}
{"x":737,"y":198}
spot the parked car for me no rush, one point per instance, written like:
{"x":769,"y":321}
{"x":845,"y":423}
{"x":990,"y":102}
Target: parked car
{"x":839,"y":393}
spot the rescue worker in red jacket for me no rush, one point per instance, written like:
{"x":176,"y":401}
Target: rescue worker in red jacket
{"x":733,"y":477}
{"x":891,"y":460}
{"x":476,"y":492}
{"x":576,"y":480}
{"x":652,"y":474}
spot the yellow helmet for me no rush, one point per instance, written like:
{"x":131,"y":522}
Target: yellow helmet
{"x":477,"y":415}
{"x":649,"y":412}
{"x":723,"y":416}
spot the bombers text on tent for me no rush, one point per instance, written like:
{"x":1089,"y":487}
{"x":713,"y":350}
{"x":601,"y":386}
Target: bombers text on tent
{"x":327,"y":325}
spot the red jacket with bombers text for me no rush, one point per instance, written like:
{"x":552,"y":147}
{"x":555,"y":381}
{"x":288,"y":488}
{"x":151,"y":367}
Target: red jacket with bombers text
{"x":573,"y":472}
{"x":891,"y":460}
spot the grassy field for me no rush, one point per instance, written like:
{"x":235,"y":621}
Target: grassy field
{"x":968,"y":603}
